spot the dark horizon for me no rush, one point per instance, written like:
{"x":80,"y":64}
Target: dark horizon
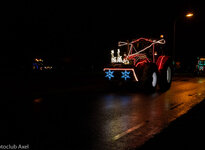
{"x":86,"y":32}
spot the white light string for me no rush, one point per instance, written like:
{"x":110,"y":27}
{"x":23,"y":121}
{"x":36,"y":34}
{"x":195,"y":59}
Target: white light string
{"x":162,"y":41}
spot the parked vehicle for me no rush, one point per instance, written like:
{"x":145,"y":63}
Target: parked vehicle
{"x":200,"y":67}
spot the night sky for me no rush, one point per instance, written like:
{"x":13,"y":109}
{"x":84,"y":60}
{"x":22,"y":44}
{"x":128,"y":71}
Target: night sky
{"x":85,"y":32}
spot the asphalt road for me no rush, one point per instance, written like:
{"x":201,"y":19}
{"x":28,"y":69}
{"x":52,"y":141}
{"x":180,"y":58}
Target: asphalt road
{"x":91,"y":116}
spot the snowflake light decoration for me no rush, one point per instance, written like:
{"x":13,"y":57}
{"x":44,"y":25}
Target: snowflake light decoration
{"x":109,"y":74}
{"x":125,"y":74}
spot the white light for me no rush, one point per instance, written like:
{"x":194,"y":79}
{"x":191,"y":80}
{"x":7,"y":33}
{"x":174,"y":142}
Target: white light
{"x":162,"y":41}
{"x":119,"y":58}
{"x":113,"y":58}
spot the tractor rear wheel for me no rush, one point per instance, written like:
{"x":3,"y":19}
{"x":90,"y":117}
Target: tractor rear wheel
{"x":165,"y":76}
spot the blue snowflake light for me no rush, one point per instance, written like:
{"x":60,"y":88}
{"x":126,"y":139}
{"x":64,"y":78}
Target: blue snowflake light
{"x":109,"y":74}
{"x":125,"y":74}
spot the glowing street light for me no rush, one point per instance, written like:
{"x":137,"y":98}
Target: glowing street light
{"x":188,"y":15}
{"x":161,"y":36}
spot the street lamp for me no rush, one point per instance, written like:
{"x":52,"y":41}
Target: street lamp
{"x":188,"y":15}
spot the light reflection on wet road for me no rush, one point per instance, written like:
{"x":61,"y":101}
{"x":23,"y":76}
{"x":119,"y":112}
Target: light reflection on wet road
{"x":121,"y":120}
{"x":101,"y":120}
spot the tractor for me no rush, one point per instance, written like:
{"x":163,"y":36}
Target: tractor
{"x":141,"y":61}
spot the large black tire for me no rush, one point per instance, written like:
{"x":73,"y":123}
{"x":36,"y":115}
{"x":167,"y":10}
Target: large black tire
{"x":149,"y":77}
{"x":165,"y":76}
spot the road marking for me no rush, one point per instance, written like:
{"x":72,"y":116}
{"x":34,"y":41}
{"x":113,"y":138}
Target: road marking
{"x":128,"y":131}
{"x":175,"y":106}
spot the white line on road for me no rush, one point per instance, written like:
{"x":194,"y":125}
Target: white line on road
{"x":128,"y":131}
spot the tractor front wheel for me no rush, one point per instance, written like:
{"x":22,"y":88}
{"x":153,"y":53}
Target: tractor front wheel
{"x":149,"y":78}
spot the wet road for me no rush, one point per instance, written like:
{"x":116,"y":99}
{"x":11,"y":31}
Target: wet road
{"x":93,"y":117}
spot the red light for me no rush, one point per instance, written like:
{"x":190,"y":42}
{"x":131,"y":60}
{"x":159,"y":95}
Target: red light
{"x":153,"y":54}
{"x":141,"y":62}
{"x":160,"y":64}
{"x":141,"y":39}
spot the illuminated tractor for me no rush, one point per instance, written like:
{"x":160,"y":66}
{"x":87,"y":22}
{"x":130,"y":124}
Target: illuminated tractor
{"x":139,"y":62}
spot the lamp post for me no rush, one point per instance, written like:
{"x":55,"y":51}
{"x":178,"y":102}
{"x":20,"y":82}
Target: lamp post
{"x":188,"y":15}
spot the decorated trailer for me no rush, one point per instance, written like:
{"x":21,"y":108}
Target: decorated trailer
{"x":140,"y":62}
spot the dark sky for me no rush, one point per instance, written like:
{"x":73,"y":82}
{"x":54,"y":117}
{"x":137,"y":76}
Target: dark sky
{"x":88,"y":30}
